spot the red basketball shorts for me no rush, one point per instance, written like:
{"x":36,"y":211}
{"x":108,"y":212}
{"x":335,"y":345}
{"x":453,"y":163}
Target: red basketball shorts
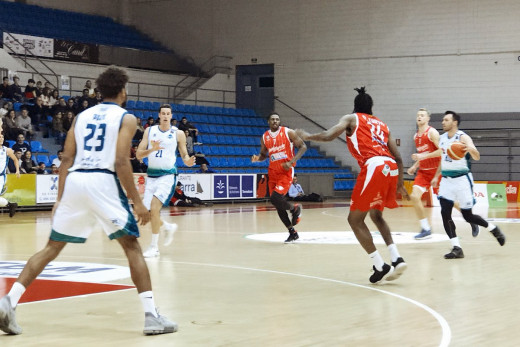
{"x":280,"y":181}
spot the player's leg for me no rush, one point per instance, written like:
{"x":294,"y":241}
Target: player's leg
{"x":31,"y":270}
{"x":475,"y":229}
{"x":420,"y":212}
{"x":449,"y":227}
{"x":155,"y":221}
{"x":279,"y":186}
{"x":154,"y":323}
{"x":3,"y":201}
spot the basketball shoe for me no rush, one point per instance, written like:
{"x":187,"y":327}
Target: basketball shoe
{"x":292,"y":237}
{"x":151,"y":252}
{"x":423,"y":235}
{"x":499,"y":236}
{"x":168,"y":230}
{"x":158,"y":325}
{"x":378,"y":276}
{"x":456,"y":253}
{"x":8,"y":317}
{"x":399,"y":267}
{"x":475,"y":230}
{"x":296,"y":214}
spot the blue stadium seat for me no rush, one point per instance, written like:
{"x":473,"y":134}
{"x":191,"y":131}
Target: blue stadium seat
{"x":130,"y":104}
{"x":11,"y":143}
{"x":36,"y":146}
{"x":43,"y":158}
{"x":156,"y":105}
{"x":139,"y":105}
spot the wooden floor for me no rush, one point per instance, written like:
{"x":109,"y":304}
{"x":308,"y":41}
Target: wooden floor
{"x":224,"y":289}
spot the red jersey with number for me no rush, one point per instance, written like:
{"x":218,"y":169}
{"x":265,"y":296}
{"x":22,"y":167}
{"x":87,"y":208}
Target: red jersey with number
{"x":424,"y":144}
{"x":280,"y":148}
{"x":369,"y":139}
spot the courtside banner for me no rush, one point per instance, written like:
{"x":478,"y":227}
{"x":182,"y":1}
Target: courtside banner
{"x":234,"y":186}
{"x":46,"y":189}
{"x":21,"y":190}
{"x":196,"y":185}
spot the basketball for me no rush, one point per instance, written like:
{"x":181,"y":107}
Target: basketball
{"x":456,"y":150}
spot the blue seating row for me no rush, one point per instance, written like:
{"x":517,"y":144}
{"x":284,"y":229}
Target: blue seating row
{"x":36,"y":146}
{"x":188,"y":108}
{"x":344,"y":185}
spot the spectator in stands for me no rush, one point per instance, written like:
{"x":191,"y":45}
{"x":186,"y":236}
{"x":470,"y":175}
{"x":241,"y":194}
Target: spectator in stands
{"x":5,"y":108}
{"x":189,"y":143}
{"x":30,"y":90}
{"x":84,"y":96}
{"x":16,"y":90}
{"x":185,"y":125}
{"x":296,"y":193}
{"x":57,"y":161}
{"x":21,"y":145}
{"x":39,"y":89}
{"x":28,"y":164}
{"x":205,"y":169}
{"x":11,"y":130}
{"x":38,"y":113}
{"x":174,"y":123}
{"x":42,"y":170}
{"x":5,"y":90}
{"x":54,"y":99}
{"x":83,"y":106}
{"x":71,"y":106}
{"x":91,"y":92}
{"x":67,"y":121}
{"x":149,"y":122}
{"x":11,"y":167}
{"x":98,"y":97}
{"x":57,"y":128}
{"x":138,"y":136}
{"x":55,"y":170}
{"x":23,"y":122}
{"x":137,"y":165}
{"x":180,"y":199}
{"x":46,"y":100}
{"x":60,"y":106}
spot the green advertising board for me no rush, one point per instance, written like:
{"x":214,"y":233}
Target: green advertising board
{"x":497,"y":195}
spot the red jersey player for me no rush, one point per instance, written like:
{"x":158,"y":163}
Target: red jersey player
{"x":370,"y":143}
{"x":277,"y":144}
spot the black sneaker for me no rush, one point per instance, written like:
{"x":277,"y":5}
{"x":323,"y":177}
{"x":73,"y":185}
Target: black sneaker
{"x":475,"y":230}
{"x":12,"y":208}
{"x":399,"y":267}
{"x":499,"y":236}
{"x":292,"y":237}
{"x":456,"y":253}
{"x":378,"y":276}
{"x":296,"y":212}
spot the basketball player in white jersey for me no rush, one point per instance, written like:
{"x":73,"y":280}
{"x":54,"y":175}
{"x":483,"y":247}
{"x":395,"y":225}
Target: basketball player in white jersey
{"x":5,"y":154}
{"x":159,"y":144}
{"x":95,"y":164}
{"x":457,"y":184}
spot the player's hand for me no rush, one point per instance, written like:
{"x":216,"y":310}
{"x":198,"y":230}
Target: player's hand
{"x":190,"y":162}
{"x":287,"y":165}
{"x":17,"y":174}
{"x":411,"y":170}
{"x":143,"y":215}
{"x":402,"y":190}
{"x":255,"y":158}
{"x":435,"y":182}
{"x":416,"y":156}
{"x":156,"y":145}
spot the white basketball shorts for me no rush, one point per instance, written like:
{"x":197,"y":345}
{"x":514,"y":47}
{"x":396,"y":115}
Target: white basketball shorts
{"x":458,"y":189}
{"x":161,"y":187}
{"x":89,"y":199}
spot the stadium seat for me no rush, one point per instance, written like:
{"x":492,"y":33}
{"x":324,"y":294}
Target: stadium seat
{"x":36,"y":146}
{"x":43,"y":158}
{"x":11,"y":143}
{"x":130,"y":104}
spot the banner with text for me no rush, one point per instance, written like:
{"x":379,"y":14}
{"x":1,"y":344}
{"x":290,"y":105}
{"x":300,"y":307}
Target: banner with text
{"x":19,"y":44}
{"x":46,"y":189}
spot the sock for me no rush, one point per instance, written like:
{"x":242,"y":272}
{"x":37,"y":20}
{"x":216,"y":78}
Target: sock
{"x":394,"y":253}
{"x":455,"y":242}
{"x":291,"y":230}
{"x":155,"y":240}
{"x":377,"y":260}
{"x":3,"y":202}
{"x":424,"y":224}
{"x":491,"y":226}
{"x":148,"y":303}
{"x":16,"y":293}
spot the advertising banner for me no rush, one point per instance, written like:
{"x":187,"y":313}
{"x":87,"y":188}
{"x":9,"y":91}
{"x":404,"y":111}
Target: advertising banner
{"x":46,"y":189}
{"x":39,"y":46}
{"x":21,"y":190}
{"x":512,"y":191}
{"x":481,"y":194}
{"x":76,"y":51}
{"x":497,"y":195}
{"x":220,"y":187}
{"x":196,"y":185}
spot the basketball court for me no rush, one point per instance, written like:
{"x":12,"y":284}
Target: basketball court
{"x":229,"y":280}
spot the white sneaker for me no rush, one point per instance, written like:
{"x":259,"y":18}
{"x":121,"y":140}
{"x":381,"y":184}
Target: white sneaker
{"x":151,"y":252}
{"x":159,"y":325}
{"x":8,"y":317}
{"x":168,"y":230}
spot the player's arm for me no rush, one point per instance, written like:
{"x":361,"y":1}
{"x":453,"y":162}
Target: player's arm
{"x":298,"y":143}
{"x":142,"y":148}
{"x":470,"y":147}
{"x":347,"y":121}
{"x":433,"y":135}
{"x":411,"y":170}
{"x":124,"y":167}
{"x":263,"y":152}
{"x":183,"y":151}
{"x":395,"y":152}
{"x":10,"y":154}
{"x":67,"y":160}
